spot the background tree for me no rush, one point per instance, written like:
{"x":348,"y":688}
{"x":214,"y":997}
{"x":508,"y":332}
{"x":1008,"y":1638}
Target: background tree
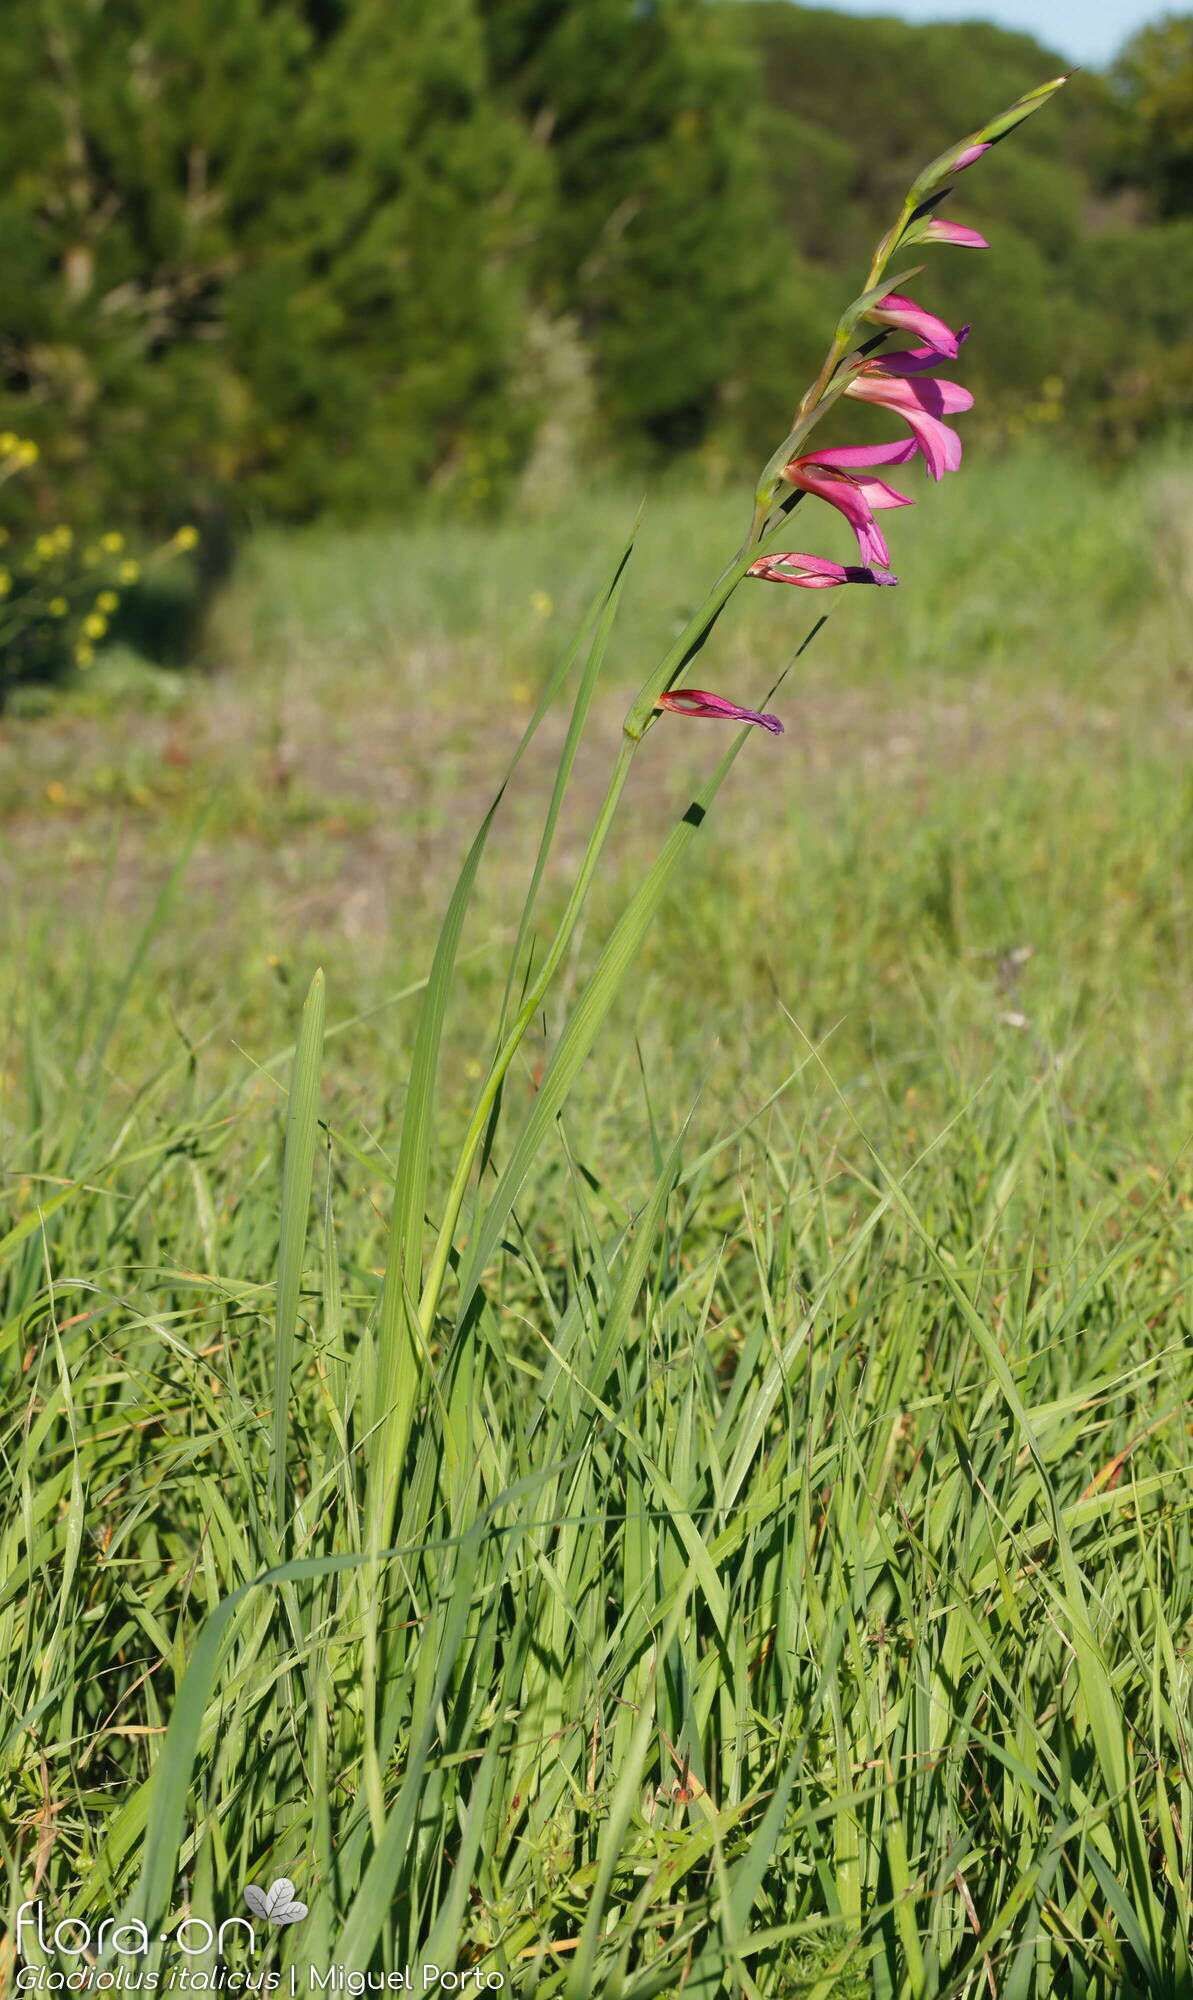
{"x":258,"y":251}
{"x":662,"y":234}
{"x":280,"y":257}
{"x":1102,"y":304}
{"x":1153,"y":83}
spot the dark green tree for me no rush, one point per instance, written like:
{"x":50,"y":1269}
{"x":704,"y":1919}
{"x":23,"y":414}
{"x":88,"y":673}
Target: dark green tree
{"x":663,"y":236}
{"x":1153,"y":84}
{"x":856,"y":106}
{"x":258,"y":247}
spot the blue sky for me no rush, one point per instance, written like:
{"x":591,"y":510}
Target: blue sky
{"x":1085,"y":31}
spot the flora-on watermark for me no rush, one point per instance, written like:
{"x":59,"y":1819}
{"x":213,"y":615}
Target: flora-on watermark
{"x":91,"y":1947}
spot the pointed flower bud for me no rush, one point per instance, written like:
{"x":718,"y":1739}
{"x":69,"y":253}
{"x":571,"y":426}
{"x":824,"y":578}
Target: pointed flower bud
{"x":971,"y":148}
{"x":967,"y":156}
{"x":940,"y":231}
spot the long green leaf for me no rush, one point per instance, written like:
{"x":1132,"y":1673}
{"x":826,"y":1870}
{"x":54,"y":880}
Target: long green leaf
{"x":298,"y":1170}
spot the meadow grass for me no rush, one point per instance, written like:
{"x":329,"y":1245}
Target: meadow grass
{"x":793,"y":1585}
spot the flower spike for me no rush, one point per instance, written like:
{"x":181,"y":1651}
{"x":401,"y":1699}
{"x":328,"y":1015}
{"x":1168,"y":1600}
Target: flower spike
{"x":870,"y":368}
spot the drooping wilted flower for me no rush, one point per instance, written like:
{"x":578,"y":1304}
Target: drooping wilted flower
{"x":696,"y":701}
{"x":815,"y":572}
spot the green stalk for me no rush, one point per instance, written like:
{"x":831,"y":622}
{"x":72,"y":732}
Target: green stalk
{"x":667,"y":672}
{"x":637,"y":722}
{"x":823,"y":393}
{"x":441,"y":1253}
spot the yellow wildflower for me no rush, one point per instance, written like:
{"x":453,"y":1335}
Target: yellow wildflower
{"x":129,"y":572}
{"x":84,"y":654}
{"x":58,"y":607}
{"x":112,"y":542}
{"x":187,"y":538}
{"x":95,"y":626}
{"x":107,"y":601}
{"x":5,"y":582}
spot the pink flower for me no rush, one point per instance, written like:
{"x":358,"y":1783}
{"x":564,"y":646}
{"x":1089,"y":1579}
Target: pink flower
{"x":895,"y":310}
{"x":921,"y":405}
{"x":838,"y":476}
{"x":694,"y":701}
{"x":940,"y":231}
{"x":814,"y":572}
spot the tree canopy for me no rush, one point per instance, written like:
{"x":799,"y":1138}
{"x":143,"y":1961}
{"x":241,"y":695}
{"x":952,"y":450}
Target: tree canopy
{"x":286,"y":256}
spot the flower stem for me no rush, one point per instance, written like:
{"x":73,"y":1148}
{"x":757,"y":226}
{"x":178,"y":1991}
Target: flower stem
{"x":441,"y":1253}
{"x":814,"y":405}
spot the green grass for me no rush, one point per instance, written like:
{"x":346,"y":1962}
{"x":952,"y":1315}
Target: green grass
{"x":795,"y":1582}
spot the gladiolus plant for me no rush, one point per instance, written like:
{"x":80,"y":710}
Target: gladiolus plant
{"x":434,"y":1498}
{"x":865,"y":363}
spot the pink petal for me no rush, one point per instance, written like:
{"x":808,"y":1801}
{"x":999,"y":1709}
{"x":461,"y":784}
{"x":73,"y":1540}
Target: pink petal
{"x":895,"y":310}
{"x":855,"y":497}
{"x":915,"y":360}
{"x":815,"y":565}
{"x":695,"y":701}
{"x":856,"y":455}
{"x":939,"y":231}
{"x":967,"y":156}
{"x":877,"y":494}
{"x":846,"y":495}
{"x":894,"y":392}
{"x":940,"y":445}
{"x":920,"y":404}
{"x":871,"y":543}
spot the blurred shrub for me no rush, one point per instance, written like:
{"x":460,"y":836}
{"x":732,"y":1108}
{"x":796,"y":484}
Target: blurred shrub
{"x":661,"y":236}
{"x":1135,"y":373}
{"x":1152,"y":83}
{"x":259,"y":248}
{"x":61,"y":595}
{"x":291,"y":258}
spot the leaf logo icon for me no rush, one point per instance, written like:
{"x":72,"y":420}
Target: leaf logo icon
{"x":277,"y":1904}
